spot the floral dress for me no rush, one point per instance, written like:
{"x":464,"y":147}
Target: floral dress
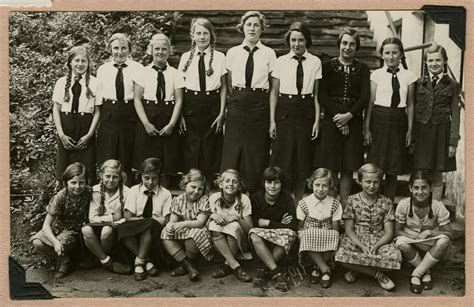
{"x":186,"y":212}
{"x":369,"y":223}
{"x":69,"y":217}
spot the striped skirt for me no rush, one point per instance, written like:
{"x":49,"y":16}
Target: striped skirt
{"x":234,"y":230}
{"x":200,"y":236}
{"x":283,"y":237}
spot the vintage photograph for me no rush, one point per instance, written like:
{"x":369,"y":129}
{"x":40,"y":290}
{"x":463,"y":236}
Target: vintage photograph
{"x":238,"y":153}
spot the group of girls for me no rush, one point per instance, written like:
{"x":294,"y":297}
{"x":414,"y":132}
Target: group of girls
{"x":140,"y":112}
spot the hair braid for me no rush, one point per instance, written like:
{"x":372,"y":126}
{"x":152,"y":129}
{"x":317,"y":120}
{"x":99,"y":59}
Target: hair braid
{"x":426,"y":73}
{"x":102,"y":199}
{"x":404,"y":61}
{"x":210,"y":71}
{"x":381,"y":61}
{"x":430,"y":212}
{"x":88,"y":90}
{"x":191,"y":55}
{"x":122,"y":203}
{"x":410,"y":213}
{"x":67,"y":96}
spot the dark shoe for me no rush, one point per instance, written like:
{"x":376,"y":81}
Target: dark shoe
{"x":117,"y":267}
{"x":326,"y":280}
{"x":315,"y":277}
{"x":261,"y":278}
{"x":140,"y":275}
{"x":222,"y":272}
{"x":280,"y":281}
{"x":63,"y":270}
{"x":241,"y":274}
{"x":179,"y":271}
{"x":414,"y":288}
{"x":193,"y":273}
{"x":152,"y":269}
{"x":427,"y":282}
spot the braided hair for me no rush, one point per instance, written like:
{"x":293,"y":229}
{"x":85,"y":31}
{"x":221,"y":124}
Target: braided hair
{"x":421,"y":175}
{"x":75,"y":51}
{"x":208,"y":25}
{"x":394,"y":41}
{"x":115,"y":165}
{"x":221,"y":201}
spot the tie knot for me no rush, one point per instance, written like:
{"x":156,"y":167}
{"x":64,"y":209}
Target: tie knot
{"x":250,"y":50}
{"x":201,"y":54}
{"x":77,"y":78}
{"x":393,"y":70}
{"x":299,"y":58}
{"x":155,"y":67}
{"x":435,"y":78}
{"x":149,"y":193}
{"x":120,"y":66}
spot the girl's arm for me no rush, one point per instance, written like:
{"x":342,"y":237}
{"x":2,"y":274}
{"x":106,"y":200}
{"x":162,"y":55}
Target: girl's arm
{"x":178,"y":96}
{"x":455,"y":120}
{"x":273,"y":103}
{"x":386,"y":238}
{"x":317,"y":112}
{"x":368,"y":114}
{"x":399,"y":230}
{"x":138,"y":95}
{"x":58,"y":247}
{"x":219,"y":121}
{"x":129,"y":216}
{"x":197,"y":223}
{"x":349,"y":228}
{"x":335,"y":225}
{"x":84,"y":140}
{"x":229,"y":82}
{"x":443,"y":230}
{"x":67,"y":141}
{"x":410,"y":112}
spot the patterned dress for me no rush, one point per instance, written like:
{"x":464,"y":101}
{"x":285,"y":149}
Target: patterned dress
{"x":369,"y":223}
{"x":186,"y":212}
{"x":69,"y":217}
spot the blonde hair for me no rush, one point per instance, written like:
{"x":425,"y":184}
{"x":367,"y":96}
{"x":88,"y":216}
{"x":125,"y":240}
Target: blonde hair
{"x":194,"y":175}
{"x":75,"y":51}
{"x":247,"y":15}
{"x":208,"y":25}
{"x":221,"y":201}
{"x":120,"y":37}
{"x":318,"y":174}
{"x":369,"y":168}
{"x":157,"y":37}
{"x":115,"y":165}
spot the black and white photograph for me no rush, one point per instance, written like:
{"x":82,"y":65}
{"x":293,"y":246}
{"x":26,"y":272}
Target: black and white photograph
{"x":237,"y":153}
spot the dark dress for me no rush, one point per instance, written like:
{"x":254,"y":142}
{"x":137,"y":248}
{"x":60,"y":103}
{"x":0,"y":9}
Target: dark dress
{"x":343,"y":89}
{"x":436,"y":124}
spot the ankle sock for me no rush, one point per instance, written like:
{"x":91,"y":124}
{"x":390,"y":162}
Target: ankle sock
{"x":105,"y":260}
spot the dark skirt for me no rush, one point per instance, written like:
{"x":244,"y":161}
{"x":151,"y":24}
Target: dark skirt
{"x":246,"y":140}
{"x":339,"y":152}
{"x":116,"y":133}
{"x":166,"y":148}
{"x":202,"y":147}
{"x":388,"y":151}
{"x":76,"y":126}
{"x":293,"y":148}
{"x":432,"y":147}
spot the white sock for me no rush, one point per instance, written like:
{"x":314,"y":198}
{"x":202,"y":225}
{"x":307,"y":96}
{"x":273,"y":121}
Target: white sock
{"x":105,"y":260}
{"x":427,"y":262}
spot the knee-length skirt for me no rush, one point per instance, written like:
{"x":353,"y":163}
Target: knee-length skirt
{"x":234,"y":230}
{"x":283,"y":237}
{"x":200,"y":236}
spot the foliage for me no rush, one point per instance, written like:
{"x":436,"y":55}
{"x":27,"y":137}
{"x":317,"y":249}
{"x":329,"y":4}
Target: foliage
{"x":38,"y":46}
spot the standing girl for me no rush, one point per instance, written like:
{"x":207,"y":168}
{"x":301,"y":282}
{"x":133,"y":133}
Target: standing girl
{"x":344,"y":94}
{"x":74,"y":112}
{"x":318,"y":223}
{"x":158,"y":100}
{"x":185,"y":236}
{"x":368,"y":221}
{"x":294,"y":107}
{"x":65,"y":214}
{"x":230,"y":222}
{"x":106,"y":207}
{"x":388,"y":125}
{"x":147,"y":212}
{"x":436,"y":118}
{"x":246,"y":141}
{"x":274,"y":215}
{"x":422,"y":224}
{"x":204,"y":72}
{"x":116,"y":134}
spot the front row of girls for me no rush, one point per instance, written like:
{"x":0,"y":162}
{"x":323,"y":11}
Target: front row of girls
{"x":147,"y":221}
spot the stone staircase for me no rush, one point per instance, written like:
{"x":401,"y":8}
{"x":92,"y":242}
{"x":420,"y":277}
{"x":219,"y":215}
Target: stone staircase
{"x":325,"y":28}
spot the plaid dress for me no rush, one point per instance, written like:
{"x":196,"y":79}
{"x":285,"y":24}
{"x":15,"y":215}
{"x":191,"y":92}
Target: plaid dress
{"x":186,"y":212}
{"x":369,"y":223}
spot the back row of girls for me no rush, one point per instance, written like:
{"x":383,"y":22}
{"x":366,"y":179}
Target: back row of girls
{"x":194,"y":225}
{"x":268,"y":98}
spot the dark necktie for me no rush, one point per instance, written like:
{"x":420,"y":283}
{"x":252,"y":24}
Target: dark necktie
{"x":202,"y":72}
{"x":395,"y":86}
{"x":434,"y":80}
{"x":119,"y":87}
{"x":299,"y":73}
{"x":249,"y":66}
{"x":160,"y":83}
{"x":147,"y":211}
{"x":76,"y":93}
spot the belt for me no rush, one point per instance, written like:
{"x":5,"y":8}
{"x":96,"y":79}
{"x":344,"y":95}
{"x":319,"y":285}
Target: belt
{"x":207,"y":93}
{"x":289,"y":96}
{"x":238,"y":88}
{"x":118,"y":101}
{"x":77,"y":113}
{"x":157,"y":102}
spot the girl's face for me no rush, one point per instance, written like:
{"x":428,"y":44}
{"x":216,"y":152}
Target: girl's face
{"x":120,"y":50}
{"x":161,"y":51}
{"x":252,"y":29}
{"x":370,"y":183}
{"x":111,"y":179}
{"x":273,"y":188}
{"x":391,"y":55}
{"x":79,"y":64}
{"x":230,"y":184}
{"x":297,"y":42}
{"x":435,"y":63}
{"x":151,"y":180}
{"x":321,"y":187}
{"x":194,"y":190}
{"x":420,"y":189}
{"x":76,"y":185}
{"x":201,"y":36}
{"x":348,"y":47}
